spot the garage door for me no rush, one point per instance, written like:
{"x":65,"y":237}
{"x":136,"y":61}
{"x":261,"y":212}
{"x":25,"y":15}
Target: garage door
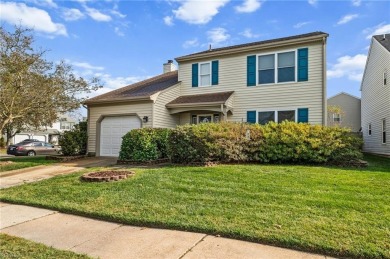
{"x":39,"y":137}
{"x":112,"y":129}
{"x":20,"y":137}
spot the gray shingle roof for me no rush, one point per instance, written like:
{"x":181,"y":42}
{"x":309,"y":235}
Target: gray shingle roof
{"x":317,"y":33}
{"x":384,"y":41}
{"x":221,"y":97}
{"x":142,"y":89}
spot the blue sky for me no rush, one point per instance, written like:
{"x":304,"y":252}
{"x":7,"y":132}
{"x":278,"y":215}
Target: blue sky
{"x":126,"y":41}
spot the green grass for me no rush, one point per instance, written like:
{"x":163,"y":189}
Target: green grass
{"x":14,"y":247}
{"x":327,"y":210}
{"x":23,"y":162}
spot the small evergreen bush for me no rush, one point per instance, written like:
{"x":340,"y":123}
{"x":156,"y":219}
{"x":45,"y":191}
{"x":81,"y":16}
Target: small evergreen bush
{"x":144,"y":144}
{"x":74,"y":141}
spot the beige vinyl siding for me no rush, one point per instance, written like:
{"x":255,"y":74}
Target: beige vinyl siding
{"x":185,"y":118}
{"x":376,"y":99}
{"x":162,"y":118}
{"x":233,"y":77}
{"x":351,"y":110}
{"x":140,"y":109}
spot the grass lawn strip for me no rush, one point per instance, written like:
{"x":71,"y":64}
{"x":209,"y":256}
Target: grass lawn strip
{"x":24,"y":162}
{"x":14,"y":247}
{"x":328,"y":210}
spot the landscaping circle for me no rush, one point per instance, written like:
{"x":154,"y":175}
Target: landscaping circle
{"x":106,"y":176}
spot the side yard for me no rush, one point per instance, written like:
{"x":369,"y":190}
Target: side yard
{"x":328,"y":210}
{"x":22,"y":162}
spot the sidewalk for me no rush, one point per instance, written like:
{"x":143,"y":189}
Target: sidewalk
{"x":111,"y":240}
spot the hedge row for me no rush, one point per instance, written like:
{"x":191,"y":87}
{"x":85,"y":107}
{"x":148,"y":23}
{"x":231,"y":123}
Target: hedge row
{"x":145,"y":144}
{"x":285,"y":142}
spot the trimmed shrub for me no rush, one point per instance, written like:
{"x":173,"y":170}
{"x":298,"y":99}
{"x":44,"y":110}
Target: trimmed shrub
{"x":286,"y":142}
{"x":74,"y":141}
{"x":144,"y":144}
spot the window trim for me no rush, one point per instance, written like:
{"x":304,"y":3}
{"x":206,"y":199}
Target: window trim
{"x":199,"y":74}
{"x":339,"y":117}
{"x":369,"y":128}
{"x":276,"y":53}
{"x":384,"y":129}
{"x":276,"y":110}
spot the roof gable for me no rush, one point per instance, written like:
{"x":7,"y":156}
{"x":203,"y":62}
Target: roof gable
{"x":384,"y":40}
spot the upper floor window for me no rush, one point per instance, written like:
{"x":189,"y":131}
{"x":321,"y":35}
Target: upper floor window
{"x":278,"y":67}
{"x":66,"y":125}
{"x":385,"y":78}
{"x":205,"y":74}
{"x":369,"y":129}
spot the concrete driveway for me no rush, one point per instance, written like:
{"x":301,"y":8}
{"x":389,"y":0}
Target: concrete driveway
{"x":37,"y":173}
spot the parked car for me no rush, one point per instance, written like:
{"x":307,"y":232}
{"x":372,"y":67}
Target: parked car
{"x":29,"y":140}
{"x":33,"y":149}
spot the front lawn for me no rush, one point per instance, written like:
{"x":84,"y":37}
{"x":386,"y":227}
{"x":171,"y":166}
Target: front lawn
{"x":328,"y":210}
{"x":23,"y":162}
{"x":14,"y":247}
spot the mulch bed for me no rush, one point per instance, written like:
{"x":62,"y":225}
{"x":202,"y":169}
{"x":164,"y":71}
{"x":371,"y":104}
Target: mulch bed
{"x":149,"y":162}
{"x":106,"y":176}
{"x":6,"y":163}
{"x":64,"y":158}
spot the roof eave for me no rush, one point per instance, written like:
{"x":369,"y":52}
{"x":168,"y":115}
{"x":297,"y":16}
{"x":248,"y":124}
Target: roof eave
{"x":121,"y":100}
{"x":188,"y":105}
{"x":252,"y":48}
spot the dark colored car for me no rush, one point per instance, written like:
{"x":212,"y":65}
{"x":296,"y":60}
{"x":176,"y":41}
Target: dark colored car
{"x":32,"y":149}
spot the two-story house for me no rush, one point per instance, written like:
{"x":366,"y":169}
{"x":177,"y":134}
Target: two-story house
{"x":271,"y":80}
{"x":375,"y":90}
{"x":344,"y":110}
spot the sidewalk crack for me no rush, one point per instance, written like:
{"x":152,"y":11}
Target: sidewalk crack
{"x":192,"y":247}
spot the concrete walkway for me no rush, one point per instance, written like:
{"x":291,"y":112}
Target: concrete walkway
{"x":37,"y":173}
{"x":110,"y":240}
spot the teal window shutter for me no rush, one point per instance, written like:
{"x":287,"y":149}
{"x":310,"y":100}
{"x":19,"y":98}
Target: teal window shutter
{"x":303,"y":115}
{"x":251,"y":116}
{"x":251,"y":70}
{"x":303,"y":64}
{"x":195,"y":75}
{"x":214,"y":72}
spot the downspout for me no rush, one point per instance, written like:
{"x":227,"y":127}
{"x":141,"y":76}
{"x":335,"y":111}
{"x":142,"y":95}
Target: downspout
{"x":223,"y":112}
{"x":88,"y":124}
{"x":324,"y":101}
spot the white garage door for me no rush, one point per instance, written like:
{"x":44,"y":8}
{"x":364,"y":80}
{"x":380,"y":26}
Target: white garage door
{"x":39,"y":137}
{"x":20,"y":137}
{"x":112,"y":129}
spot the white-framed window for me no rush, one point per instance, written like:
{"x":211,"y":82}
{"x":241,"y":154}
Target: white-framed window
{"x":279,"y":67}
{"x":336,"y":117}
{"x":279,"y":115}
{"x":369,"y":129}
{"x":385,"y":78}
{"x":66,"y":125}
{"x":205,"y":74}
{"x":204,"y":118}
{"x":384,"y":131}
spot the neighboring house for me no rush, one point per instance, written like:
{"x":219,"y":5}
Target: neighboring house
{"x":375,"y":90}
{"x":272,"y":80}
{"x":49,"y":134}
{"x":350,"y":110}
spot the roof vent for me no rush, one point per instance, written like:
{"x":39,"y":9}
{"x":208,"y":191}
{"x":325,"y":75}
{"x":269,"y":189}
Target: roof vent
{"x":169,"y":66}
{"x":210,"y":47}
{"x":384,"y":36}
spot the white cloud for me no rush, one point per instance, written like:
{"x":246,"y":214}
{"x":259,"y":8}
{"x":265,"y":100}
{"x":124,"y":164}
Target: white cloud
{"x":72,"y":14}
{"x":117,"y":13}
{"x":198,"y":11}
{"x":217,"y":36}
{"x":312,"y":2}
{"x":301,"y":24}
{"x":168,"y":20}
{"x":347,"y":18}
{"x":85,"y":65}
{"x":45,"y":3}
{"x":377,"y":30}
{"x":356,"y":2}
{"x":97,"y":15}
{"x":38,"y":19}
{"x":350,"y":67}
{"x":191,"y":43}
{"x":119,"y":32}
{"x":247,"y":33}
{"x":248,"y":6}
